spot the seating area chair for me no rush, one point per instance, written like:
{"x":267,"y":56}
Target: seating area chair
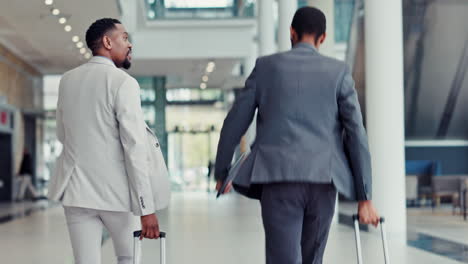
{"x":462,"y":200}
{"x":447,"y":186}
{"x":412,"y":197}
{"x":424,"y":170}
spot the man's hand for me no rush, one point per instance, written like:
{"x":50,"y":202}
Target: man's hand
{"x":149,"y":227}
{"x":368,"y":214}
{"x":219,"y":184}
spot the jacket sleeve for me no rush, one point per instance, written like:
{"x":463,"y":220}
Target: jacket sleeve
{"x":355,"y":137}
{"x":235,"y":125}
{"x":134,"y":142}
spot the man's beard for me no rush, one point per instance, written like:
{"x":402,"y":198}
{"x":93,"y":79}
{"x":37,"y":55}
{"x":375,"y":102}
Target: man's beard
{"x":126,"y":64}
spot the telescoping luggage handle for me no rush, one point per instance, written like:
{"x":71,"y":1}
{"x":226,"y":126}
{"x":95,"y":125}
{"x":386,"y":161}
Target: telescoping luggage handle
{"x":358,"y":239}
{"x":137,"y":247}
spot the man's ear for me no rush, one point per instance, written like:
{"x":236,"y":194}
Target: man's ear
{"x":293,"y":34}
{"x":322,"y":38}
{"x":106,"y":42}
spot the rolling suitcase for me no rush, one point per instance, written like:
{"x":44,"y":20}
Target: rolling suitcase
{"x":358,"y":239}
{"x":137,"y":247}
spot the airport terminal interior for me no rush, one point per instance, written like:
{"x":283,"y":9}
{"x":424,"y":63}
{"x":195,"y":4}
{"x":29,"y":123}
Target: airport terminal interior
{"x":409,"y":60}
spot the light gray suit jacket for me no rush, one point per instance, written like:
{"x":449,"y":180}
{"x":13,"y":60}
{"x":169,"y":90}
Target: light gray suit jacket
{"x":110,"y":160}
{"x":309,"y":126}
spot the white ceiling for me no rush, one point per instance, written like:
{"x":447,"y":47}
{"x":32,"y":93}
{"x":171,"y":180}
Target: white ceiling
{"x":30,"y":31}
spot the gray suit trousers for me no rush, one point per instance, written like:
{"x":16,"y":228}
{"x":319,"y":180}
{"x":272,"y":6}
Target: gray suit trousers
{"x":297,"y":219}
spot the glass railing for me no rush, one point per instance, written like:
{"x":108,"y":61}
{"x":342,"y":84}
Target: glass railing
{"x":199,"y":9}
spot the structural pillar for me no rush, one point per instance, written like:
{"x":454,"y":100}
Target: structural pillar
{"x":266,"y":27}
{"x":328,"y":8}
{"x":385,"y":110}
{"x":159,"y":85}
{"x":286,"y":10}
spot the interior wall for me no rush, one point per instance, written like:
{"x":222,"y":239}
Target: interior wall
{"x":20,"y":85}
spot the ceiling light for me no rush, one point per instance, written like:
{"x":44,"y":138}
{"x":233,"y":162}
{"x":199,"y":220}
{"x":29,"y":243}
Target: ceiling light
{"x":202,"y":85}
{"x":68,"y":28}
{"x":210,"y":67}
{"x":87,"y":56}
{"x":49,"y":2}
{"x":82,"y":50}
{"x":151,"y":2}
{"x":55,"y":12}
{"x":79,"y":45}
{"x":205,"y":78}
{"x":75,"y":39}
{"x":151,"y":14}
{"x":62,"y":20}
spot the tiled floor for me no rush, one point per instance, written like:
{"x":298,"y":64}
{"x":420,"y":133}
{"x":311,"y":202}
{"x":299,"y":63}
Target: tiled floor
{"x":200,"y":229}
{"x":440,"y":223}
{"x":439,"y":231}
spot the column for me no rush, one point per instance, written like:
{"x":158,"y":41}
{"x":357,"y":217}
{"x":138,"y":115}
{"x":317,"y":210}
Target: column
{"x":286,"y":10}
{"x":130,"y":15}
{"x":249,"y":62}
{"x":159,"y":85}
{"x":266,"y":27}
{"x":328,"y":8}
{"x":385,"y":110}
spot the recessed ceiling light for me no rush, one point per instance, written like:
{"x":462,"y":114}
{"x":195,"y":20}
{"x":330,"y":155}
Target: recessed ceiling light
{"x":62,"y":20}
{"x":82,"y":50}
{"x":87,"y":56}
{"x":68,"y":28}
{"x":210,"y":67}
{"x":79,"y":45}
{"x":205,"y":78}
{"x":55,"y":12}
{"x":202,"y":85}
{"x":49,"y":2}
{"x":75,"y":39}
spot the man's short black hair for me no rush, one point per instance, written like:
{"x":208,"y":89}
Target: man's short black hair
{"x":309,"y":20}
{"x":97,"y":30}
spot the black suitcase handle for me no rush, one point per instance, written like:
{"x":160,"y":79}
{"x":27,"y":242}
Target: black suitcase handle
{"x":356,"y":217}
{"x":358,"y":239}
{"x":138,"y":233}
{"x":137,"y":247}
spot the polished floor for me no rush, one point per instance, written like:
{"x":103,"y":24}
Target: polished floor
{"x":200,"y":229}
{"x":439,"y":231}
{"x":16,"y":210}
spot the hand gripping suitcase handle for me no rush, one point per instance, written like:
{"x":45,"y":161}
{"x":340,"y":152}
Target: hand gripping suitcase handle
{"x":138,"y":234}
{"x":137,"y":247}
{"x":356,"y":217}
{"x":358,"y":239}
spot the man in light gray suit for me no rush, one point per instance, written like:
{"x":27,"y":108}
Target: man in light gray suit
{"x":105,"y":173}
{"x":310,"y":143}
